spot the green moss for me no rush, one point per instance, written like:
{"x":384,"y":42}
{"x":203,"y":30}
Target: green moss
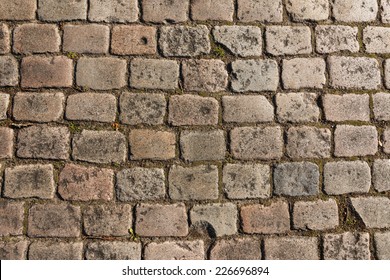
{"x":74,"y":128}
{"x":219,"y":52}
{"x":72,"y":55}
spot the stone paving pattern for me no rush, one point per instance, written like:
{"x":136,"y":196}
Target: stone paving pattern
{"x":178,"y":129}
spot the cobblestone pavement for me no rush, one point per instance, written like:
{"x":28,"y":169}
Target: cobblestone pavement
{"x":203,"y":129}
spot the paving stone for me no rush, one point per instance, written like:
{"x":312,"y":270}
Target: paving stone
{"x":257,"y":218}
{"x":204,"y":75}
{"x":354,"y":72}
{"x":355,"y":140}
{"x":240,"y":40}
{"x":202,"y":145}
{"x":308,"y":142}
{"x":220,"y":217}
{"x":291,"y":248}
{"x":236,"y":249}
{"x":343,"y":177}
{"x":385,"y":11}
{"x":254,"y":75}
{"x":13,"y":250}
{"x":18,"y":9}
{"x":133,"y":40}
{"x":36,"y":38}
{"x":376,"y":40}
{"x":387,"y":73}
{"x":29,"y":181}
{"x":381,"y":106}
{"x":296,"y":179}
{"x":247,"y":109}
{"x":100,"y":146}
{"x":315,"y":215}
{"x":248,"y":143}
{"x":6,"y":143}
{"x":355,"y":10}
{"x":54,"y":220}
{"x":5,"y":40}
{"x":81,"y":183}
{"x":154,"y":73}
{"x":151,"y":144}
{"x":113,"y":10}
{"x":38,"y":72}
{"x":346,"y":107}
{"x":347,"y":246}
{"x":113,"y":250}
{"x":297,"y":107}
{"x":308,"y":10}
{"x":38,"y":106}
{"x":161,"y":220}
{"x":336,"y":38}
{"x":260,"y":10}
{"x":91,"y":38}
{"x":98,"y":107}
{"x":288,"y":40}
{"x":184,"y":40}
{"x":9,"y":71}
{"x":43,"y":142}
{"x":101,"y":73}
{"x":107,"y":220}
{"x":191,"y":109}
{"x":374,"y":211}
{"x":204,"y":10}
{"x":193,"y":183}
{"x":175,"y":250}
{"x":162,"y":11}
{"x":53,"y":10}
{"x":140,"y":183}
{"x":11,"y":218}
{"x":243,"y":181}
{"x":386,"y":141}
{"x":53,"y":250}
{"x":301,"y":73}
{"x":382,"y":241}
{"x":142,"y":108}
{"x":4,"y":103}
{"x":381,"y":175}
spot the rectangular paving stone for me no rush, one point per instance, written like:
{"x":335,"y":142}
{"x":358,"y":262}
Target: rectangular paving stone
{"x":11,"y":218}
{"x":336,"y":38}
{"x":288,"y":40}
{"x":18,"y":9}
{"x":316,"y":10}
{"x":346,"y":107}
{"x":53,"y":10}
{"x":113,"y":250}
{"x":385,"y":11}
{"x":161,"y":11}
{"x":260,"y":10}
{"x":386,"y":141}
{"x":297,"y":107}
{"x":374,"y":211}
{"x":9,"y":71}
{"x":175,"y":250}
{"x":381,"y":175}
{"x":376,"y":40}
{"x":134,"y":40}
{"x":355,"y":10}
{"x":5,"y":39}
{"x":4,"y":104}
{"x":291,"y":248}
{"x":54,"y":250}
{"x":13,"y":250}
{"x":221,"y":10}
{"x":382,"y":241}
{"x":113,"y":10}
{"x":299,"y":73}
{"x":6,"y":143}
{"x":236,"y":249}
{"x":347,"y":246}
{"x":381,"y":106}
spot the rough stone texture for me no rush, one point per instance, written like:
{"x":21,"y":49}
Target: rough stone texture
{"x":161,"y":220}
{"x":162,"y":11}
{"x":221,"y":219}
{"x":336,"y":38}
{"x":296,"y":179}
{"x":9,"y":71}
{"x":43,"y":142}
{"x":308,"y":142}
{"x":193,"y":183}
{"x":260,"y":10}
{"x":386,"y":141}
{"x":113,"y":250}
{"x":355,"y":140}
{"x":308,"y":10}
{"x":11,"y":218}
{"x":113,"y":10}
{"x":236,"y":249}
{"x":248,"y":143}
{"x":240,"y":40}
{"x":107,"y":220}
{"x":221,"y":10}
{"x":315,"y":215}
{"x":13,"y":250}
{"x":297,"y":107}
{"x":29,"y":181}
{"x":17,"y":9}
{"x":381,"y":106}
{"x":254,"y":75}
{"x":266,"y":219}
{"x":376,"y":40}
{"x":346,"y":107}
{"x":355,"y":10}
{"x":343,"y":177}
{"x":133,"y":40}
{"x":291,"y":248}
{"x":381,"y":175}
{"x":100,"y":146}
{"x":301,"y":73}
{"x":385,"y":11}
{"x":81,"y":183}
{"x":242,"y":181}
{"x":38,"y":107}
{"x":374,"y":211}
{"x":190,"y":109}
{"x":4,"y":39}
{"x":98,"y":107}
{"x":53,"y":10}
{"x":6,"y":143}
{"x":41,"y":250}
{"x":179,"y":250}
{"x":288,"y":40}
{"x":382,"y":241}
{"x":140,"y":183}
{"x":347,"y":246}
{"x":4,"y":104}
{"x":204,"y":75}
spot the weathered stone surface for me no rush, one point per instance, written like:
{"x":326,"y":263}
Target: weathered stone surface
{"x":386,"y":141}
{"x":9,"y":71}
{"x":113,"y":10}
{"x":291,"y":248}
{"x":133,"y":40}
{"x":175,"y":250}
{"x":5,"y":40}
{"x":296,"y":179}
{"x":260,"y":10}
{"x":381,"y":106}
{"x":81,"y":183}
{"x":240,"y":40}
{"x":6,"y":143}
{"x":53,"y":10}
{"x":242,"y":181}
{"x":336,"y":38}
{"x":347,"y":246}
{"x":236,"y":249}
{"x":355,"y":10}
{"x":381,"y":175}
{"x":300,"y":73}
{"x":4,"y":103}
{"x":193,"y":183}
{"x":297,"y":107}
{"x":288,"y":40}
{"x":221,"y":218}
{"x":374,"y":211}
{"x":50,"y":250}
{"x":140,"y":183}
{"x":255,"y":75}
{"x":45,"y":142}
{"x":204,"y":10}
{"x":11,"y":218}
{"x":346,"y":107}
{"x":382,"y":245}
{"x":113,"y":250}
{"x":256,"y":143}
{"x":343,"y":177}
{"x":162,"y":11}
{"x":13,"y":250}
{"x":308,"y":9}
{"x":17,"y":9}
{"x":385,"y":11}
{"x":376,"y":39}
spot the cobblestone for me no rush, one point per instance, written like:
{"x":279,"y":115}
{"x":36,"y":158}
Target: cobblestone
{"x":113,"y":10}
{"x":347,"y":246}
{"x":291,"y":248}
{"x":336,"y":38}
{"x":9,"y":71}
{"x":288,"y":40}
{"x":346,"y":107}
{"x":297,"y":107}
{"x":301,"y":73}
{"x":41,"y":250}
{"x":236,"y":249}
{"x":133,"y":40}
{"x":175,"y":250}
{"x":113,"y":250}
{"x":5,"y":40}
{"x":308,"y":10}
{"x":93,"y":38}
{"x":11,"y":218}
{"x":221,"y":10}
